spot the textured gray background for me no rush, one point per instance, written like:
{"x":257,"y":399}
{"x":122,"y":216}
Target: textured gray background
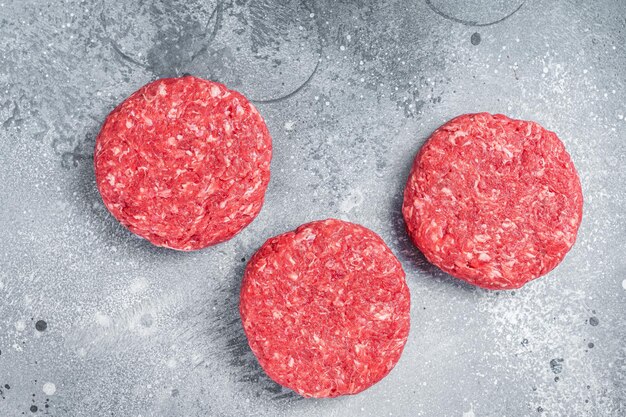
{"x":350,"y":90}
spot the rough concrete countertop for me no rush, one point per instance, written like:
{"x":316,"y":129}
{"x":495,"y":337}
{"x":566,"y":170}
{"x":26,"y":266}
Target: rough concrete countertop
{"x":96,"y":322}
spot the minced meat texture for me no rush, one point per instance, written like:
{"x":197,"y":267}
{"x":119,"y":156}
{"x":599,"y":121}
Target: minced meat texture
{"x":492,"y":200}
{"x":184,"y":162}
{"x":326,"y":308}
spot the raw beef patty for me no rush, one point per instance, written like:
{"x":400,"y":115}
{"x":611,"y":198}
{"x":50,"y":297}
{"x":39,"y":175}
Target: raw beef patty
{"x":184,"y":162}
{"x":325,"y":308}
{"x":494,"y":201}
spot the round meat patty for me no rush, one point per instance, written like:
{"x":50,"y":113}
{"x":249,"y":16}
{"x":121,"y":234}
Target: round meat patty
{"x":494,"y":201}
{"x":326,"y":308}
{"x":184,"y":162}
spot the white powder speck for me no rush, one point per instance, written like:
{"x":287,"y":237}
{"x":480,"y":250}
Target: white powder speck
{"x":138,"y":285}
{"x":624,"y":284}
{"x":470,"y":413}
{"x":102,"y":319}
{"x":49,"y":388}
{"x":289,"y":124}
{"x":343,"y":48}
{"x":20,"y":325}
{"x":545,"y":70}
{"x":349,"y":38}
{"x":353,"y":200}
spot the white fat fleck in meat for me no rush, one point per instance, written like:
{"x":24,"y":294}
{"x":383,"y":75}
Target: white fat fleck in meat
{"x":482,"y":238}
{"x":129,"y":123}
{"x":192,"y":127}
{"x":507,"y":224}
{"x":210,"y":189}
{"x":506,"y":151}
{"x":482,"y":256}
{"x":162,"y":90}
{"x":215,"y":91}
{"x":111,"y":179}
{"x":494,"y":273}
{"x":164,"y":193}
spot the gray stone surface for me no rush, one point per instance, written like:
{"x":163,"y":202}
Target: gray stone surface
{"x":350,"y":90}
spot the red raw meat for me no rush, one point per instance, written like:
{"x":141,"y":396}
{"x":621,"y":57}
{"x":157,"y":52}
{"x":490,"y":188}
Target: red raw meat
{"x":494,"y":201}
{"x":326,"y":308}
{"x":184,"y":162}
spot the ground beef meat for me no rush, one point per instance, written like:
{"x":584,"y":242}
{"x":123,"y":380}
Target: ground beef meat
{"x":184,"y":162}
{"x":326,"y":308}
{"x":494,"y":201}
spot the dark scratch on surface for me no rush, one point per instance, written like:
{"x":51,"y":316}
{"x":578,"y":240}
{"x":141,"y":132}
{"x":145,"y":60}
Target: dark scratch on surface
{"x":469,"y":22}
{"x":217,"y":13}
{"x":123,"y":56}
{"x":294,"y":92}
{"x":14,"y":118}
{"x":317,"y":64}
{"x":113,"y":44}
